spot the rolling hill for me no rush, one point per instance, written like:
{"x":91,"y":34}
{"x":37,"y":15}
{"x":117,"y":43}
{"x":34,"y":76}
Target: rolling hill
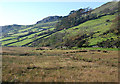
{"x":81,"y":28}
{"x":20,"y":35}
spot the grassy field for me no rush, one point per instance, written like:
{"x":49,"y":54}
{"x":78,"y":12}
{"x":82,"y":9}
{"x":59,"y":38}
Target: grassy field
{"x":26,"y":64}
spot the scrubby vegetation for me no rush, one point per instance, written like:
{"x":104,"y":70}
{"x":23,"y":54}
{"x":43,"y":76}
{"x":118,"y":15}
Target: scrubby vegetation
{"x":28,"y":64}
{"x":88,"y":34}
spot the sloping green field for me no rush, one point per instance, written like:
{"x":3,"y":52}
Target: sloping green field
{"x":96,"y":26}
{"x":24,"y":35}
{"x":94,"y":29}
{"x":92,"y":32}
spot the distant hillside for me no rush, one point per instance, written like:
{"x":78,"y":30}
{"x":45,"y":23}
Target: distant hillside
{"x":21,"y":35}
{"x":49,"y":19}
{"x":81,"y":28}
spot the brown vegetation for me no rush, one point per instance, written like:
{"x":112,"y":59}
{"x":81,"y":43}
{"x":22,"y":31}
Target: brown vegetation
{"x":59,"y":65}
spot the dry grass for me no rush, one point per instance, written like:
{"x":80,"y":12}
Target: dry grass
{"x":30,"y":65}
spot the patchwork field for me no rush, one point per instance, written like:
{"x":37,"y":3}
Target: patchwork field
{"x":26,"y":64}
{"x":96,"y":31}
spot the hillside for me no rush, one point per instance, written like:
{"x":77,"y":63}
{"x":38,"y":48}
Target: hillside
{"x":88,"y":34}
{"x":85,"y":14}
{"x":20,"y":35}
{"x":81,"y":28}
{"x":99,"y":30}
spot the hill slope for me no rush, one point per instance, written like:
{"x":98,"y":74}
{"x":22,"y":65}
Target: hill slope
{"x":88,"y":34}
{"x":20,"y":35}
{"x":81,"y":28}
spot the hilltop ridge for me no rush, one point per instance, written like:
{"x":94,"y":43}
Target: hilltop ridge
{"x":49,"y":19}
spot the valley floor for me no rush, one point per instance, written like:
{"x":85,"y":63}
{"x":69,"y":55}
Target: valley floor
{"x":26,"y":64}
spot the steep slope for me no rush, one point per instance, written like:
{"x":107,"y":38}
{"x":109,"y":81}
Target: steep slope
{"x":94,"y":32}
{"x":89,"y":34}
{"x":108,"y":8}
{"x":82,"y":15}
{"x":81,"y":28}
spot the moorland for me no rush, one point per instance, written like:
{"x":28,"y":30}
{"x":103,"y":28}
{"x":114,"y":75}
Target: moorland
{"x":80,"y":47}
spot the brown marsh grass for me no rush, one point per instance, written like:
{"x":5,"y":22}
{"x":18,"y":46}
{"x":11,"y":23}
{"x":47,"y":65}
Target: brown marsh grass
{"x":25,"y":64}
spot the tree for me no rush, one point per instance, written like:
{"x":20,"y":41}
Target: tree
{"x":75,"y":18}
{"x":72,"y":12}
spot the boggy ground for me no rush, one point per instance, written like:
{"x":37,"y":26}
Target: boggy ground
{"x":26,"y":64}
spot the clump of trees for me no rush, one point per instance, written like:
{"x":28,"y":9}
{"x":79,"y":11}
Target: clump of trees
{"x":75,"y":18}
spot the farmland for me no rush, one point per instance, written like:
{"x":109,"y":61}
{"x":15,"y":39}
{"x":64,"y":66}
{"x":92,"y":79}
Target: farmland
{"x":96,"y":31}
